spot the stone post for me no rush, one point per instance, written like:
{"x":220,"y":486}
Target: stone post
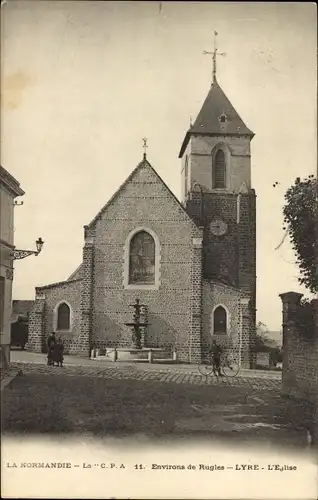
{"x":115,"y":355}
{"x":196,"y":301}
{"x":85,"y":336}
{"x":36,"y":334}
{"x":245,"y":334}
{"x":150,"y":356}
{"x":291,"y":304}
{"x":143,"y":318}
{"x":246,"y":258}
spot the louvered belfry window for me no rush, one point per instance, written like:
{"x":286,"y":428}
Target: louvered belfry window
{"x":219,"y":170}
{"x":63,"y":317}
{"x":142,"y":259}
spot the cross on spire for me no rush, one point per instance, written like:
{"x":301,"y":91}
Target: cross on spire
{"x":145,"y":146}
{"x":214,"y":54}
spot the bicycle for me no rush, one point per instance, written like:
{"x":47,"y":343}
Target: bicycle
{"x":228,"y":365}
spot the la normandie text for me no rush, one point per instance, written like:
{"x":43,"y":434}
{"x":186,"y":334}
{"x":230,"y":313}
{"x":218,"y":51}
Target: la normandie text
{"x":170,"y":467}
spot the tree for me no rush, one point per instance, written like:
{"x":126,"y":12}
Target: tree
{"x":264,"y":344}
{"x":300,"y":217}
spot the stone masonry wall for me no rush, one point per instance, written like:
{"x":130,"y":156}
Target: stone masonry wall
{"x":231,"y":258}
{"x":300,"y":351}
{"x":237,"y":340}
{"x":173,"y":306}
{"x":36,"y":340}
{"x":86,"y":322}
{"x":199,"y":152}
{"x":195,"y":347}
{"x":42,"y":323}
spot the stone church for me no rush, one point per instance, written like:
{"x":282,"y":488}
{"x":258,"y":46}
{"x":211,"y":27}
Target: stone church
{"x":191,"y":263}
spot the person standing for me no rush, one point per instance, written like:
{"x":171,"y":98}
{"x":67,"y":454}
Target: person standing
{"x":51,"y":341}
{"x":58,"y":352}
{"x":216,"y":352}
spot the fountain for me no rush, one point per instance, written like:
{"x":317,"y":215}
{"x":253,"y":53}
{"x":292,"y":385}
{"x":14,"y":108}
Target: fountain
{"x":137,"y":325}
{"x":138,"y":351}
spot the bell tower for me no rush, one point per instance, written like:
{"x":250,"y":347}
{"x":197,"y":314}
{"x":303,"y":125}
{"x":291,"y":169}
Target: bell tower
{"x":216,"y":151}
{"x":217,"y":193}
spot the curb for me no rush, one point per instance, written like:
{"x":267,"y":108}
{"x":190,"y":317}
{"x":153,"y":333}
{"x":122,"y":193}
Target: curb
{"x":8,"y":379}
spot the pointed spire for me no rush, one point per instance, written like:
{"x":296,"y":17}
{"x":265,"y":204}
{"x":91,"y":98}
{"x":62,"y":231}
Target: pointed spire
{"x":217,"y":117}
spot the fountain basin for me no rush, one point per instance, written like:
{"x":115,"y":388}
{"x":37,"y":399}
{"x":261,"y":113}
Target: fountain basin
{"x":132,"y":354}
{"x":140,"y":325}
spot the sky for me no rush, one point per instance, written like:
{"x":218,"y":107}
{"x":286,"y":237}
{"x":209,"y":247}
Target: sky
{"x":83,"y":82}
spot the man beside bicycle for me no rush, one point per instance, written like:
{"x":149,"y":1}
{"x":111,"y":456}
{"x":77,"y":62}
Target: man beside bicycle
{"x":216,"y":352}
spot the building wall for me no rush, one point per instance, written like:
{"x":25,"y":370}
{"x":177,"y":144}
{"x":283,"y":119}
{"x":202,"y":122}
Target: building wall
{"x":199,"y":153}
{"x":235,"y":302}
{"x":232,"y":256}
{"x":146,"y":203}
{"x":179,"y":306}
{"x":6,"y":271}
{"x":21,"y":308}
{"x":300,"y":352}
{"x":49,"y":297}
{"x":6,"y":210}
{"x":5,"y":326}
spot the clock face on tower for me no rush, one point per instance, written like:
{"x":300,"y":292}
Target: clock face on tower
{"x":218,"y":227}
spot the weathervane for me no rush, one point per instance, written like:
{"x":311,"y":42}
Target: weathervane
{"x":145,"y":146}
{"x":214,"y":54}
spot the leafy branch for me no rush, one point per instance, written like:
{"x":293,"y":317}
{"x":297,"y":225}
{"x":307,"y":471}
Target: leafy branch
{"x":300,"y":217}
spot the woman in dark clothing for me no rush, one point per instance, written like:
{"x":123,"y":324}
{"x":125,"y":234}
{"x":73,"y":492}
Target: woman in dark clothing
{"x":51,"y":341}
{"x":58,"y":353}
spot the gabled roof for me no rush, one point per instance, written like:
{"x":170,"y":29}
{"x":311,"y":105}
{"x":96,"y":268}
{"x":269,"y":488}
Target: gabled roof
{"x":22,"y":306}
{"x":208,"y":120}
{"x":77,"y":274}
{"x":20,"y":309}
{"x":143,"y":163}
{"x":10,"y":182}
{"x":58,"y":283}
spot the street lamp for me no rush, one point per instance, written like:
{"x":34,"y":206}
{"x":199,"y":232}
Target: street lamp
{"x":21,"y":254}
{"x":39,"y":245}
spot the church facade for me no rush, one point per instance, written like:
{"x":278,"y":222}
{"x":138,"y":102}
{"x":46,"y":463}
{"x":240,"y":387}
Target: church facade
{"x":191,"y":263}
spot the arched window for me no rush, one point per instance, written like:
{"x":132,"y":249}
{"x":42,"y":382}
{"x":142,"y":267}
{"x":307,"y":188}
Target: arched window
{"x":142,"y":259}
{"x":219,"y":320}
{"x":63,"y":317}
{"x":219,"y":170}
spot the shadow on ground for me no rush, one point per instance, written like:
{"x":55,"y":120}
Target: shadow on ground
{"x":37,"y":404}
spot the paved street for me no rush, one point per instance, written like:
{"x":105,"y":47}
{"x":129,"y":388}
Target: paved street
{"x":100,"y":399}
{"x":272,"y":378}
{"x":121,"y":371}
